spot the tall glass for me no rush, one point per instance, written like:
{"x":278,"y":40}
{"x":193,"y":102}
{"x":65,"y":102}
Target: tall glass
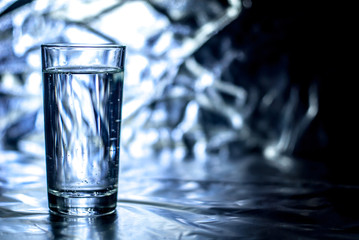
{"x":82,"y":87}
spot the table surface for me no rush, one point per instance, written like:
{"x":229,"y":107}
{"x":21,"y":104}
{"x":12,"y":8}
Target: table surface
{"x":247,"y":198}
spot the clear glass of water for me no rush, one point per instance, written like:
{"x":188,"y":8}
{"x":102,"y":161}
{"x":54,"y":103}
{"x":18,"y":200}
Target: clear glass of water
{"x":82,"y":90}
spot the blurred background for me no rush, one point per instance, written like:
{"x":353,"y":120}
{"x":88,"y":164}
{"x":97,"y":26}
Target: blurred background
{"x":208,"y":83}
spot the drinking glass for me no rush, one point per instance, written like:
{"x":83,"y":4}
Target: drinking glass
{"x":82,"y":96}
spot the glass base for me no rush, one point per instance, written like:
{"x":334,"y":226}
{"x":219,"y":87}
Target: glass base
{"x":82,"y":203}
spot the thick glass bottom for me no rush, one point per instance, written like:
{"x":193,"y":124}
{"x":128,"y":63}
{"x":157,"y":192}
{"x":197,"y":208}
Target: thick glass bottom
{"x":82,"y":203}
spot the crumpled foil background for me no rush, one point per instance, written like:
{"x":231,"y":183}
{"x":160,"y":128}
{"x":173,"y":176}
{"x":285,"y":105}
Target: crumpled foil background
{"x":224,"y":119}
{"x":199,"y":80}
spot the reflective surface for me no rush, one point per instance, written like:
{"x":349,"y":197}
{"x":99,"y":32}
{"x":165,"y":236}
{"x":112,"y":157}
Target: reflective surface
{"x":251,"y":201}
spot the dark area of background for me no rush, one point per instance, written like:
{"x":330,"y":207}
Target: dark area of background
{"x":316,"y":38}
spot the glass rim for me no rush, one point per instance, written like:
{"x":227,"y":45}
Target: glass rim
{"x":82,"y":45}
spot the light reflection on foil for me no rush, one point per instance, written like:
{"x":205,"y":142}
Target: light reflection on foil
{"x":236,"y":203}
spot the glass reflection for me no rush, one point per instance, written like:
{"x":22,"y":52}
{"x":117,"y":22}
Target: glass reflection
{"x":63,"y":227}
